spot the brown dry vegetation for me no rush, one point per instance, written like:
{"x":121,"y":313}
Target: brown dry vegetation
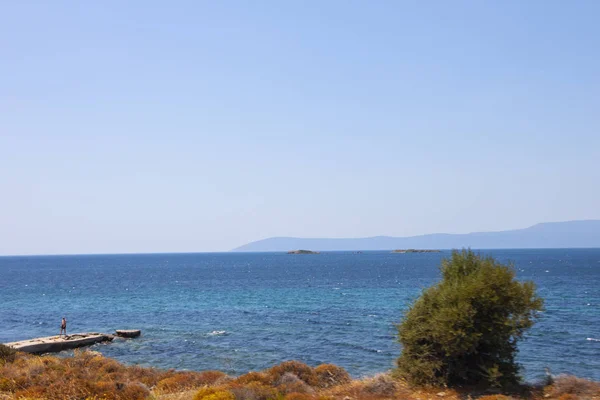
{"x":90,"y":376}
{"x":566,"y":387}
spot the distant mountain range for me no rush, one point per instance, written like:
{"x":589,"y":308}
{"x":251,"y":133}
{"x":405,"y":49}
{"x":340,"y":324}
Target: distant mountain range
{"x":545,"y":235}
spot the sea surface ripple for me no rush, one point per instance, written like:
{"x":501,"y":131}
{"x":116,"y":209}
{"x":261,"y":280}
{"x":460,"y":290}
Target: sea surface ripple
{"x":238,"y":312}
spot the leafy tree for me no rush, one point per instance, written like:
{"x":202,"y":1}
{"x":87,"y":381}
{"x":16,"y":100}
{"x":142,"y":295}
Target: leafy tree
{"x":464,"y":330}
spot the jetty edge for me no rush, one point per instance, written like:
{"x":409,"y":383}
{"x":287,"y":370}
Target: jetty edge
{"x":128,"y":333}
{"x":55,"y":344}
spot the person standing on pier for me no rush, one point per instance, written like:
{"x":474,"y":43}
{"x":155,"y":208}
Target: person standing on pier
{"x":63,"y":327}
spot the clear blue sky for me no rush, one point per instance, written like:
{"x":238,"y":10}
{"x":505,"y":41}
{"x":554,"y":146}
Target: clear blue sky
{"x":199,"y":126}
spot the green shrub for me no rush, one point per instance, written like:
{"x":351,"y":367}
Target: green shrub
{"x":465,"y":329}
{"x":7,"y":354}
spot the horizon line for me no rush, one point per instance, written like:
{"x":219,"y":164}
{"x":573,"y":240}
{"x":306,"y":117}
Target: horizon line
{"x":283,"y":251}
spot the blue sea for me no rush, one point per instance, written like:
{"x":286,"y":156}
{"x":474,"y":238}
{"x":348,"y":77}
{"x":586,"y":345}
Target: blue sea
{"x":238,"y":312}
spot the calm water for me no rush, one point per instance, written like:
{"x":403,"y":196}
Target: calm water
{"x":240,"y":312}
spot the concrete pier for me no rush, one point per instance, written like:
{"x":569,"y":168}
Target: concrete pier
{"x":54,"y":344}
{"x":128,"y":333}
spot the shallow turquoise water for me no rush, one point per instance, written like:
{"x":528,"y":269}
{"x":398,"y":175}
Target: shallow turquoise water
{"x":239,"y":311}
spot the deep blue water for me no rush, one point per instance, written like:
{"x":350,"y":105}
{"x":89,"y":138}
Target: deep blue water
{"x":238,"y":311}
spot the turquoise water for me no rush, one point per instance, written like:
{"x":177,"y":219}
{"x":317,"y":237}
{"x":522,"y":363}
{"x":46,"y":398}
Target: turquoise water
{"x":239,"y":311}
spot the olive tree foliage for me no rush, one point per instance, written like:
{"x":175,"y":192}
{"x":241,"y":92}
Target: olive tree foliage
{"x":7,"y":354}
{"x":464,"y":330}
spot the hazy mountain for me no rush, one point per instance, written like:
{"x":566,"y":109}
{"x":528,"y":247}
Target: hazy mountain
{"x":544,"y":235}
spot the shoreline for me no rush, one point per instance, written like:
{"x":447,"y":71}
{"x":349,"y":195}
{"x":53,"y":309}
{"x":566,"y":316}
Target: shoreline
{"x":92,"y":374}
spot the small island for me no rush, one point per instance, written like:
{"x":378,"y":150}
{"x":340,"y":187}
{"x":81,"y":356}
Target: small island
{"x":302,"y":252}
{"x":415,"y":251}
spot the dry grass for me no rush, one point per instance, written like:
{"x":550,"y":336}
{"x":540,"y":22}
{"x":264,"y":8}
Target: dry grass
{"x":90,"y":376}
{"x":329,"y":375}
{"x":300,"y":370}
{"x":189,"y":380}
{"x":567,"y":387}
{"x":298,"y":396}
{"x":381,"y":386}
{"x":185,"y":395}
{"x":259,"y":377}
{"x":214,"y":393}
{"x":253,"y":391}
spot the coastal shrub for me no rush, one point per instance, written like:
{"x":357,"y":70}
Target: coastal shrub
{"x":145,"y":375}
{"x":298,"y":396}
{"x":30,"y":393}
{"x":296,"y":387}
{"x":7,"y":354}
{"x":464,"y":330}
{"x":253,"y":391}
{"x":381,"y":384}
{"x":290,"y":383}
{"x":214,"y":393}
{"x":82,"y":376}
{"x":301,"y":370}
{"x":211,"y":377}
{"x":179,"y":381}
{"x":567,"y":385}
{"x":252,"y":376}
{"x":129,"y":391}
{"x":329,"y":375}
{"x":568,"y":396}
{"x":6,"y":384}
{"x":188,"y":380}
